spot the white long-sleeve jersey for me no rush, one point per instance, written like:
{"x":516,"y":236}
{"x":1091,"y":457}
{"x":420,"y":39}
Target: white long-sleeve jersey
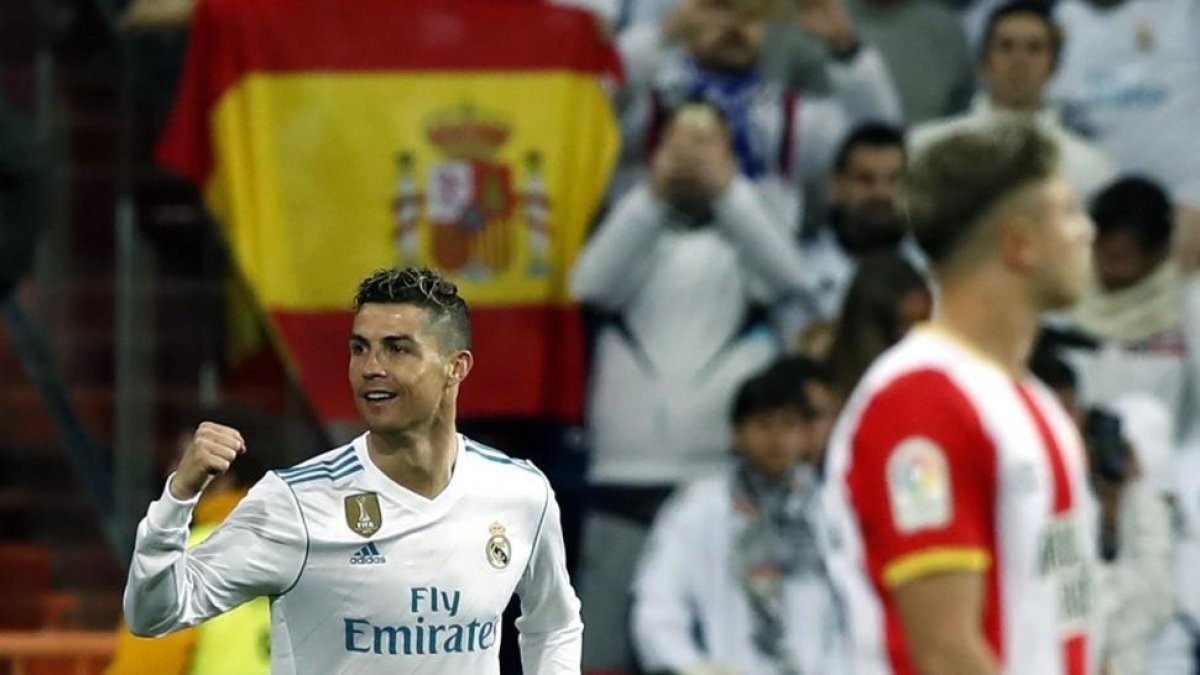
{"x":690,"y":607}
{"x":365,"y":576}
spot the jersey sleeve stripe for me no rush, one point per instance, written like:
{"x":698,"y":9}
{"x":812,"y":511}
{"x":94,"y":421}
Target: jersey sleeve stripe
{"x":334,"y":464}
{"x":503,"y":459}
{"x":325,"y":475}
{"x":485,"y":450}
{"x":915,"y":565}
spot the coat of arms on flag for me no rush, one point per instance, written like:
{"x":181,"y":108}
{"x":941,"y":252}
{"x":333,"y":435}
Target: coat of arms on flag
{"x":476,"y":222}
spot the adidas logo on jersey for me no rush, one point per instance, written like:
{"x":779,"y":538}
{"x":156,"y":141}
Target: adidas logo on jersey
{"x":368,"y":555}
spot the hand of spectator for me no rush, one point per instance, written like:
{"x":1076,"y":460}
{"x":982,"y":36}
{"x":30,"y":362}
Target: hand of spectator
{"x":150,"y":14}
{"x":213,"y":449}
{"x":828,"y":20}
{"x":1186,"y":247}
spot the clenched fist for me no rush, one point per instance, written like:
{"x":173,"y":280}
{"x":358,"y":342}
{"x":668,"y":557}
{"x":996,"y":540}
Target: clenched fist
{"x":213,"y":449}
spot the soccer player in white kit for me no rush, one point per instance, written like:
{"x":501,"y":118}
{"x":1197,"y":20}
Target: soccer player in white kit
{"x":962,"y":536}
{"x":397,"y":553}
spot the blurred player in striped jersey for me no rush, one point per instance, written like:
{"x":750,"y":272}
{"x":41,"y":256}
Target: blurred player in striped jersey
{"x":394,"y":554}
{"x":962,"y":529}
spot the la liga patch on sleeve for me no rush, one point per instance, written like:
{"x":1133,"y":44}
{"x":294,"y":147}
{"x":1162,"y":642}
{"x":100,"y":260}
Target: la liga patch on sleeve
{"x":919,"y":485}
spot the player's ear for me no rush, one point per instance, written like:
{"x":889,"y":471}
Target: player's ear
{"x":458,"y":366}
{"x":1015,"y":237}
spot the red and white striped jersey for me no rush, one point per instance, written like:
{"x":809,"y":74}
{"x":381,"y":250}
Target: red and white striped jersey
{"x":942,"y":461}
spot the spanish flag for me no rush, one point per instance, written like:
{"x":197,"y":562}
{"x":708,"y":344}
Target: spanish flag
{"x":474,"y":136}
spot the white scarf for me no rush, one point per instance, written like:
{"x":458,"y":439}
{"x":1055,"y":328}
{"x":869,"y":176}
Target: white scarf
{"x":1150,"y":307}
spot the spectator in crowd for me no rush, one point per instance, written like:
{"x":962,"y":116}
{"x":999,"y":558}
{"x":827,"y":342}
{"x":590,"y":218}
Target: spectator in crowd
{"x":1048,"y":366}
{"x":1142,"y":305}
{"x":678,"y":268}
{"x":1123,"y":441}
{"x":864,"y":218}
{"x":1134,"y":581}
{"x":926,"y":51}
{"x":887,"y":297}
{"x":822,"y":399}
{"x":790,"y":55}
{"x":1020,"y":49}
{"x":713,"y":50}
{"x":1131,"y":72}
{"x":732,"y":580}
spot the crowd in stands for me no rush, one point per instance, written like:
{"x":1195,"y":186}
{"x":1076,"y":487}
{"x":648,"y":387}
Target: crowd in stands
{"x":753,"y":259}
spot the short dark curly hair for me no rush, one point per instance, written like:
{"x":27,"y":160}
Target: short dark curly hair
{"x":1137,"y":205}
{"x":420,"y":286}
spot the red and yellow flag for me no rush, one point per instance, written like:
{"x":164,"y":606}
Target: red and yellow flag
{"x":475,"y":136}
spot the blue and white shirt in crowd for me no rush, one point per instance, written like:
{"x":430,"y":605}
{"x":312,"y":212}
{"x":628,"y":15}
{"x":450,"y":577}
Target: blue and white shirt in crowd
{"x":365,"y":576}
{"x":1132,"y":73}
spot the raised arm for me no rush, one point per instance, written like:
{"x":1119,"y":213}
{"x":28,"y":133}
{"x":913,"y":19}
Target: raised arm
{"x":259,"y":550}
{"x":620,"y":254}
{"x":767,"y":251}
{"x":863,"y":90}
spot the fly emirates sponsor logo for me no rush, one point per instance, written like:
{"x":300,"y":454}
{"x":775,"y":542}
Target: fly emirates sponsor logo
{"x":430,"y":630}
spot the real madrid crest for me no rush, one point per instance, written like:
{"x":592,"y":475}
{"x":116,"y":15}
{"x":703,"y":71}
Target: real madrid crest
{"x":362,"y":513}
{"x":498,"y":550}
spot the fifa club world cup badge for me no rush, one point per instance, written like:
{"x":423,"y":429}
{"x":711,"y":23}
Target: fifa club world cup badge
{"x":499,"y":551}
{"x":362,"y":513}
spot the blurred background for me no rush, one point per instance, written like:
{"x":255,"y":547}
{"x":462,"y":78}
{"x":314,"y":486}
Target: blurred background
{"x":648,"y":203}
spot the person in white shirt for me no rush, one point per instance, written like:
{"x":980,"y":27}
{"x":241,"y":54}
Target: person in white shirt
{"x":678,"y":268}
{"x":1143,"y":306}
{"x":732,"y":580}
{"x":864,"y":219}
{"x":1137,"y":591}
{"x":712,"y":50}
{"x":1130,"y":73}
{"x":1017,"y":58}
{"x":395,"y":554}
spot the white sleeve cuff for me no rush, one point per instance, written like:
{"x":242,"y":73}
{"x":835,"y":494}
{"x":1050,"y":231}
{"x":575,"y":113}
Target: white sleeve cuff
{"x":169,"y":513}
